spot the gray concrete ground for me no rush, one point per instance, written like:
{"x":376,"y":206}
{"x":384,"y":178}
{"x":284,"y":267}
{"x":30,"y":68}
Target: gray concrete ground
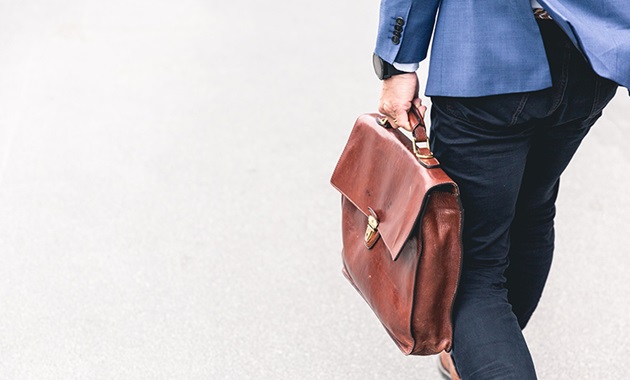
{"x":165,"y":210}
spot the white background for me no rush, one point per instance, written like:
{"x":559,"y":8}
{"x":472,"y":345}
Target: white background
{"x":165,"y":211}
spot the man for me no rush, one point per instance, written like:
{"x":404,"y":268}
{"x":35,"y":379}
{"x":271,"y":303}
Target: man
{"x":515,"y":87}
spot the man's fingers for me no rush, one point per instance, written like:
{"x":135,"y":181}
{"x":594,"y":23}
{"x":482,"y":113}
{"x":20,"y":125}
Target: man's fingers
{"x":387,"y":110}
{"x":402,"y":120}
{"x":423,"y":110}
{"x":417,"y":102}
{"x":398,"y":116}
{"x":397,"y":94}
{"x":394,"y":117}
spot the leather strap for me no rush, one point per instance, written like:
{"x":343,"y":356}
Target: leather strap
{"x":422,"y":149}
{"x":418,"y":125}
{"x":420,"y":145}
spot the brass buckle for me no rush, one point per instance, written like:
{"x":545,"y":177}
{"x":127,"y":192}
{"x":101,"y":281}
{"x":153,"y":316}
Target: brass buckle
{"x":371,"y":232}
{"x":416,"y":149}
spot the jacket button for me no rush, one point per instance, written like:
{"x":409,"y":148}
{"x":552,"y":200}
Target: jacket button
{"x":400,"y":21}
{"x":397,"y":33}
{"x":396,"y":40}
{"x":398,"y":28}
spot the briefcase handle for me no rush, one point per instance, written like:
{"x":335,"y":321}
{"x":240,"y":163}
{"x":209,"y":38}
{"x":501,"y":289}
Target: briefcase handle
{"x":420,"y":141}
{"x":421,"y":146}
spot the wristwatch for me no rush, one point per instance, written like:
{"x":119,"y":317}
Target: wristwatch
{"x":384,"y":69}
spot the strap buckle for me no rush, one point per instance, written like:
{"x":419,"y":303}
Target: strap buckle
{"x":425,"y":145}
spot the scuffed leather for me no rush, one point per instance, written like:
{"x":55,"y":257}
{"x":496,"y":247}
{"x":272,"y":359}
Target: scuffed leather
{"x":409,"y":277}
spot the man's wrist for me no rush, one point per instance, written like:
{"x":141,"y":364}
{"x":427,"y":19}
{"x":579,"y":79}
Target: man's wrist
{"x":385,"y":70}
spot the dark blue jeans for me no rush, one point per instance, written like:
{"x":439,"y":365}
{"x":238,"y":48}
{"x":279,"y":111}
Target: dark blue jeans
{"x":507,"y":152}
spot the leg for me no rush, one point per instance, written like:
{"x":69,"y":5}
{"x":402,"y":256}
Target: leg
{"x":571,"y":107}
{"x":532,"y":232}
{"x":509,"y":179}
{"x":487,"y":158}
{"x":506,"y":153}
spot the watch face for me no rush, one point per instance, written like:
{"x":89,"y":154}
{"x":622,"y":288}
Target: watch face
{"x":378,"y":66}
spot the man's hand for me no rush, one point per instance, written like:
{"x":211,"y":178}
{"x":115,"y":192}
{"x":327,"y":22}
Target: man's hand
{"x":399,"y":92}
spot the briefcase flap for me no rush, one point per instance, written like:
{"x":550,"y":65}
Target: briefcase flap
{"x":378,"y":170}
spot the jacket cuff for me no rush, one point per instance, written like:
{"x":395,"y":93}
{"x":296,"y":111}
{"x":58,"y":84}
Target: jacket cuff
{"x":405,"y":29}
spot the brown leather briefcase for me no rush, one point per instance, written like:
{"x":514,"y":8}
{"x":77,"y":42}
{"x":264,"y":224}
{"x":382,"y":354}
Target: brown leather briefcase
{"x":401,"y":223}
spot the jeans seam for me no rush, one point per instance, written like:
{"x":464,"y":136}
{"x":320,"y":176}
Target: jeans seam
{"x":519,"y":109}
{"x":564,"y":79}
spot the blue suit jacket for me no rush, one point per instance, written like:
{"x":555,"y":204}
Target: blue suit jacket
{"x":487,"y":47}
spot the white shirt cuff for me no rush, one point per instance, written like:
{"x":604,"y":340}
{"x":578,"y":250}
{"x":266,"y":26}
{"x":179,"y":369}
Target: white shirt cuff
{"x":407,"y":67}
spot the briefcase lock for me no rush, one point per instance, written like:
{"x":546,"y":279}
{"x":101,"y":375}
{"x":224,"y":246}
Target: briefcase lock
{"x":371,"y":232}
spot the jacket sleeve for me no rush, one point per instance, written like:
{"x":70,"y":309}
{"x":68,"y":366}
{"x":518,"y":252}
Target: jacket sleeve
{"x":405,"y":29}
